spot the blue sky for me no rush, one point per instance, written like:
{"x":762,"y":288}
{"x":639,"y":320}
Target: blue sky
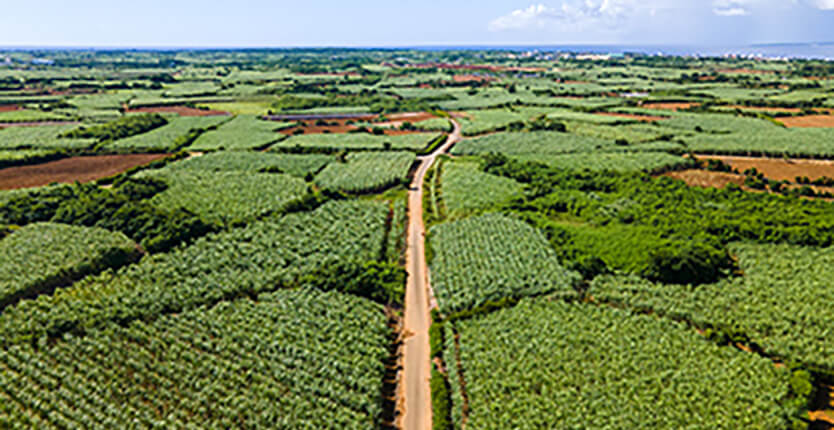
{"x":411,"y":22}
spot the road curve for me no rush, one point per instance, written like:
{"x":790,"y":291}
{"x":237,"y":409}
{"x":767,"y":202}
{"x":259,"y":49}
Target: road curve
{"x":415,"y":390}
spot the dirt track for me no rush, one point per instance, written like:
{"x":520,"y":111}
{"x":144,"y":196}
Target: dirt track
{"x":415,"y":393}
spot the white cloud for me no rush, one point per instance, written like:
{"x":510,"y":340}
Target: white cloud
{"x":731,"y":7}
{"x":573,"y":12}
{"x":734,"y":11}
{"x":534,"y":16}
{"x":823,"y":4}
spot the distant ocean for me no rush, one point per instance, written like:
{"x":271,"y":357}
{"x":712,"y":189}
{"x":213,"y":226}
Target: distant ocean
{"x":822,"y":50}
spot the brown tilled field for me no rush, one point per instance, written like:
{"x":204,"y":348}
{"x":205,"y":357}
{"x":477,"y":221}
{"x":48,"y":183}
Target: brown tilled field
{"x":808,"y":121}
{"x":68,"y":170}
{"x":9,"y":108}
{"x":645,"y":118}
{"x":779,"y":169}
{"x":180,"y":110}
{"x":670,"y":106}
{"x":472,"y":78}
{"x":706,"y":178}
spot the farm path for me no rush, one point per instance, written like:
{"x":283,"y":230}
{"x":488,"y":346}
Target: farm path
{"x":415,"y":393}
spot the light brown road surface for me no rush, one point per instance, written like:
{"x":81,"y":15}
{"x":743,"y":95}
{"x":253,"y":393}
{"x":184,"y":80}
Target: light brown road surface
{"x":415,"y":391}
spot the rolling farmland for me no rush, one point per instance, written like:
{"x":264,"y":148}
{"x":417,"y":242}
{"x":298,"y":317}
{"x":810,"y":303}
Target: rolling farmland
{"x":414,"y":239}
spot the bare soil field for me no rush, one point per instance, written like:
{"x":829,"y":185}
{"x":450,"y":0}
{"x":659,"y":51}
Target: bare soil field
{"x":706,"y":178}
{"x":808,"y":121}
{"x":337,"y":126}
{"x":778,"y":168}
{"x":180,"y":110}
{"x":645,"y":118}
{"x":670,"y":106}
{"x":9,"y":108}
{"x":472,"y":78}
{"x":68,"y":170}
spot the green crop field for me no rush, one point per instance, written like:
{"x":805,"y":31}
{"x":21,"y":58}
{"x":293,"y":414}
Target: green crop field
{"x":492,"y":257}
{"x":243,"y":132}
{"x":43,"y":256}
{"x":544,"y":364}
{"x":179,"y":132}
{"x":294,"y":164}
{"x":227,"y":196}
{"x":354,"y":142}
{"x":366,"y":171}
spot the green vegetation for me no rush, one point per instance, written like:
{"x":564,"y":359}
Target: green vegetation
{"x":264,"y":256}
{"x":365,"y":172}
{"x":123,"y":210}
{"x":179,"y":133}
{"x":543,"y":365}
{"x":243,"y":132}
{"x":353,"y":142}
{"x":119,"y":129}
{"x":266,"y":354}
{"x":39,"y":138}
{"x":40,"y":257}
{"x":466,"y":189}
{"x":781,"y":303}
{"x":492,"y":257}
{"x":299,"y":165}
{"x":226,"y":197}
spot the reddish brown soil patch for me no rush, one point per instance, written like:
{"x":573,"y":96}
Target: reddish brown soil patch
{"x":472,"y":78}
{"x":645,"y":118}
{"x":68,"y":170}
{"x":706,"y":178}
{"x":822,"y":410}
{"x":410,"y":116}
{"x":181,"y":110}
{"x":670,"y":106}
{"x":335,"y":126}
{"x":808,"y":121}
{"x":778,"y":168}
{"x":9,"y":108}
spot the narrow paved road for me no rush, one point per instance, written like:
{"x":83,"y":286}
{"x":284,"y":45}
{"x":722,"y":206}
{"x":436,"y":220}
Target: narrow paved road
{"x":415,"y":391}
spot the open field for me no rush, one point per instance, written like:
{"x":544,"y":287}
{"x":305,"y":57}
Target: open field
{"x":68,"y":170}
{"x":780,"y":169}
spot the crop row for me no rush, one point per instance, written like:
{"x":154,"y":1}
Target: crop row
{"x":226,"y":197}
{"x":781,"y":303}
{"x":263,"y":256}
{"x":366,"y":172}
{"x":550,"y":364}
{"x":492,"y":257}
{"x":293,"y":359}
{"x":42,"y":256}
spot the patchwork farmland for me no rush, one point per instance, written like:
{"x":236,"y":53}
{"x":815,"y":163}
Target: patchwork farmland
{"x":415,"y":239}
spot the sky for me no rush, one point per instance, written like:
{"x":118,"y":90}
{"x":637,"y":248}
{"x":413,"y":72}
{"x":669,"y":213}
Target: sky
{"x":283,"y":23}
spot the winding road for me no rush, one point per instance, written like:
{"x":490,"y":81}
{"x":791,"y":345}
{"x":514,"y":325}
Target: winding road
{"x":415,"y":392}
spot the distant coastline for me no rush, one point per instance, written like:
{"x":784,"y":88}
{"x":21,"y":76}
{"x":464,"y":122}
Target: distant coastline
{"x":816,"y":50}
